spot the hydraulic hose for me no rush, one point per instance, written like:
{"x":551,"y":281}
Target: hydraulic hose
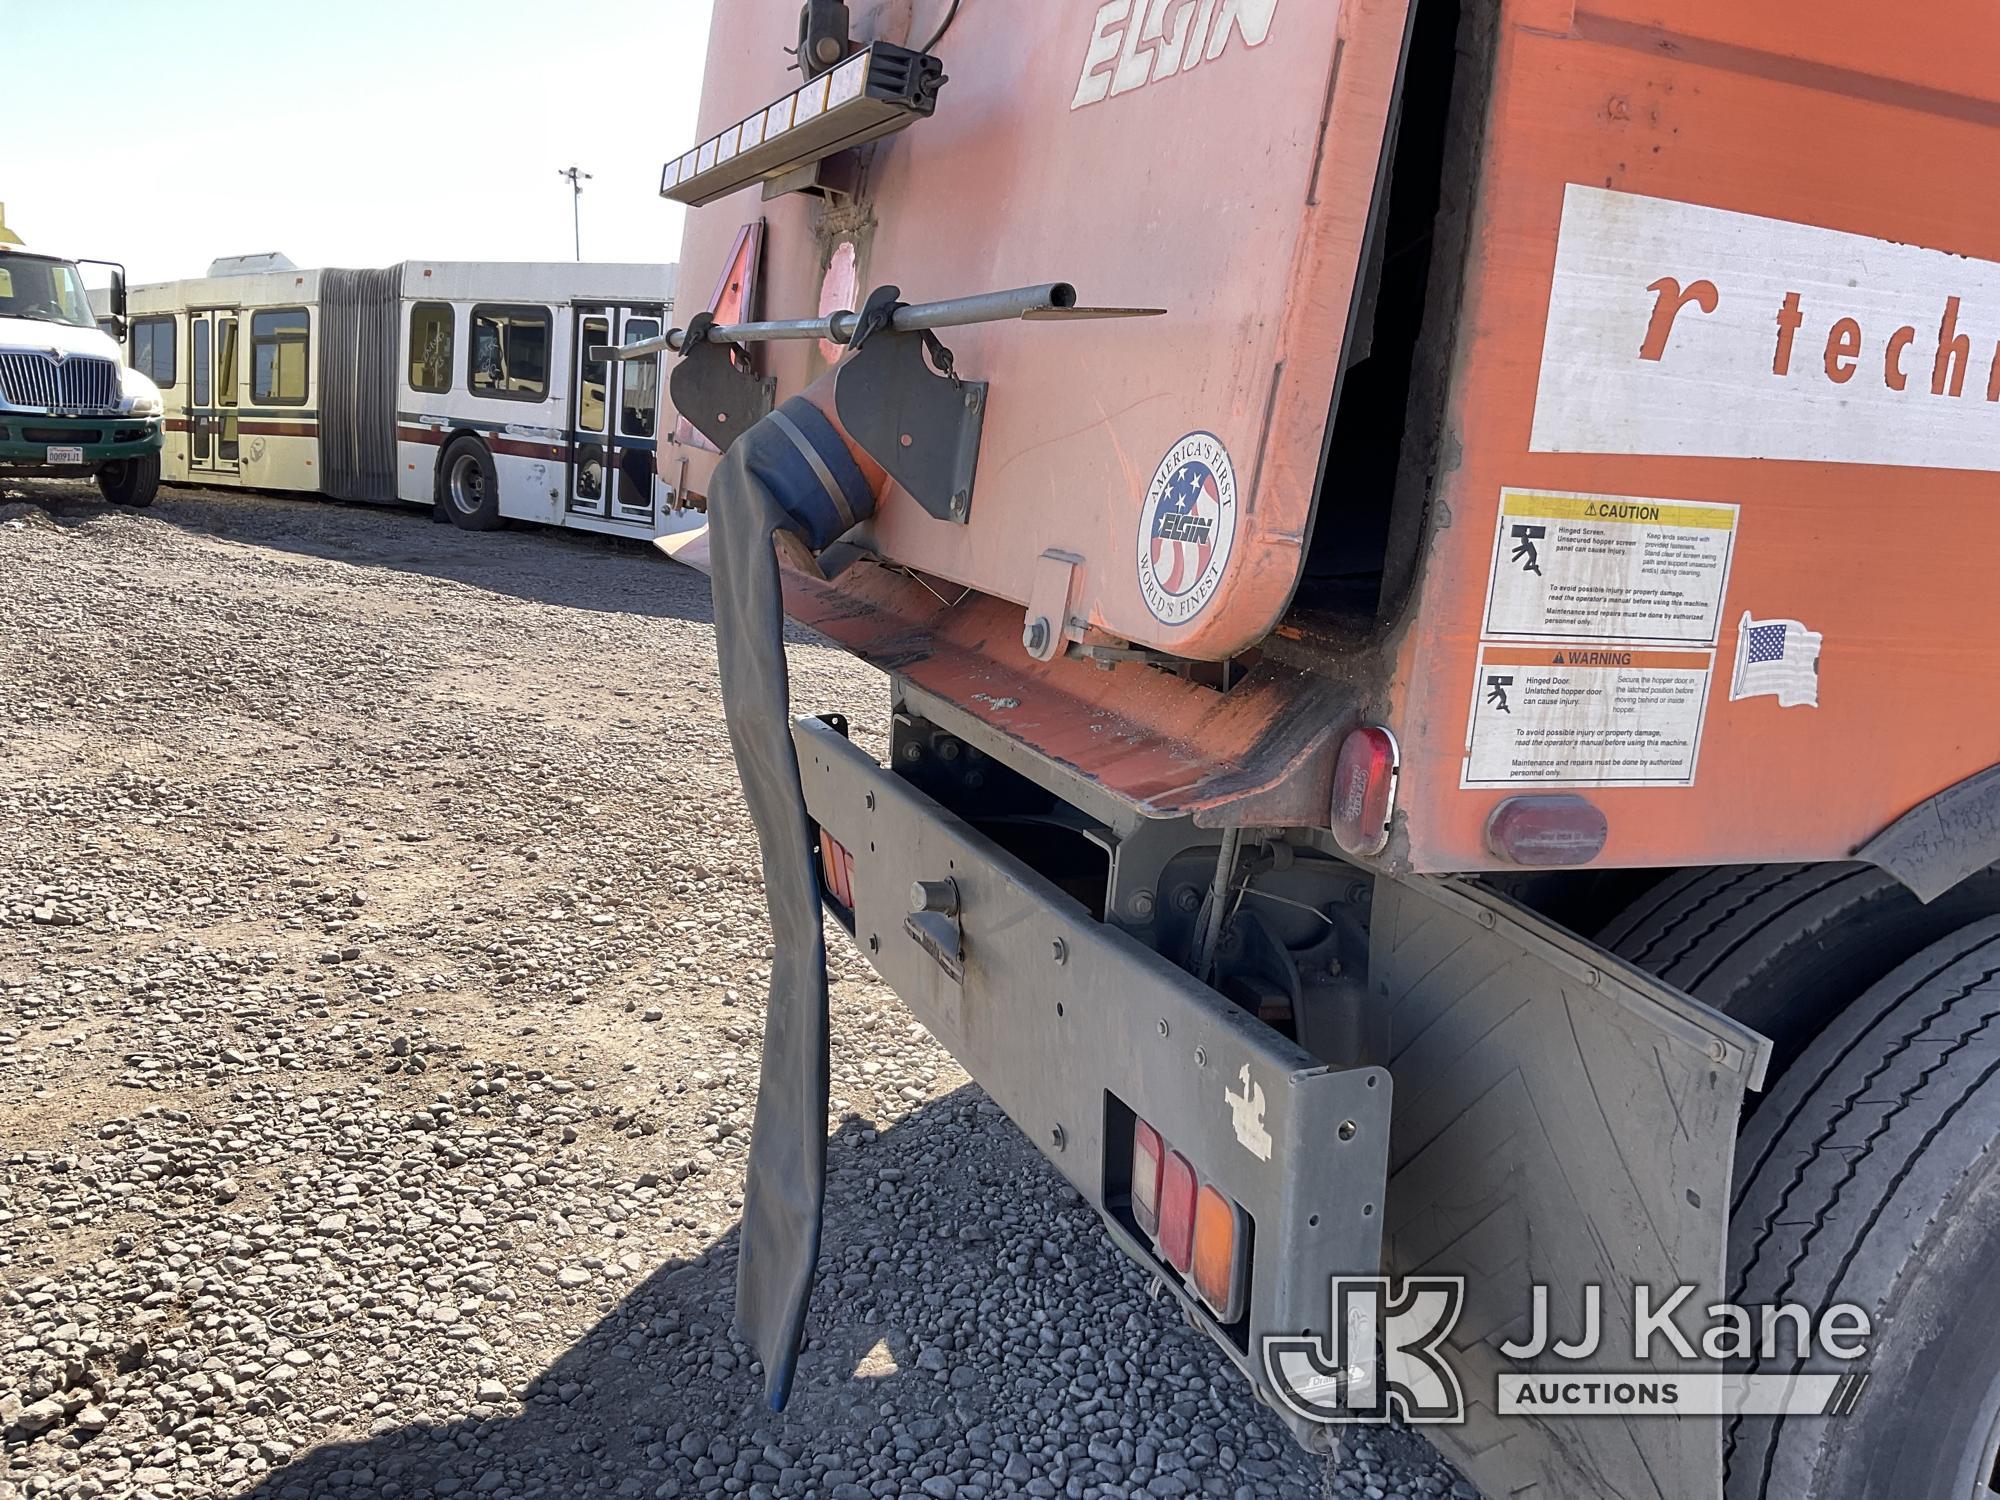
{"x":793,"y":472}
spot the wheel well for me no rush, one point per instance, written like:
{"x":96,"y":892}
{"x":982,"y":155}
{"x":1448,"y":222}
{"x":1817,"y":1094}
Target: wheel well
{"x":1786,"y":949}
{"x":437,"y":468}
{"x":1584,"y":901}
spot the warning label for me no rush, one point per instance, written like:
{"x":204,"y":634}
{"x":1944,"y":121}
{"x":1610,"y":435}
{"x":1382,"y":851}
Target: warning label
{"x":1609,"y":568}
{"x":1586,"y":717}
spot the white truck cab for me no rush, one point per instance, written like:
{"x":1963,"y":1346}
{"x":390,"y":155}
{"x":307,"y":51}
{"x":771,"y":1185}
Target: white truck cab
{"x":69,"y":404}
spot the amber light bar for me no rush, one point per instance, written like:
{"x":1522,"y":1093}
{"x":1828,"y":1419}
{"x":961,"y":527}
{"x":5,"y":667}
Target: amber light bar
{"x":877,"y":91}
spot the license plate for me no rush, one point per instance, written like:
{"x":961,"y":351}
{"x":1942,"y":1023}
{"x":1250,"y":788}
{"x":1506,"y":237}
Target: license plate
{"x":65,"y":455}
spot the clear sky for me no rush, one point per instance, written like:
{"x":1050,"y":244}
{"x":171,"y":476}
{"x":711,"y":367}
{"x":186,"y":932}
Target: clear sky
{"x":163,"y":133}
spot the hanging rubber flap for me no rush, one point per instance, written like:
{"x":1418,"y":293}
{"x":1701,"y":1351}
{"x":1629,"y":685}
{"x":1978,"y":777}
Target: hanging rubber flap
{"x":790,"y":472}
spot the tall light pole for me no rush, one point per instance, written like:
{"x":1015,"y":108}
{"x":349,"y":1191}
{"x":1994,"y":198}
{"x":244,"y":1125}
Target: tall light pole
{"x":577,"y":178}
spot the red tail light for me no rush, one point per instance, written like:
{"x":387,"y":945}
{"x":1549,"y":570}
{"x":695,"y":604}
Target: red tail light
{"x":1148,"y":1156}
{"x":1560,"y":829}
{"x":1177,"y":1212}
{"x":1364,"y":790}
{"x":836,"y":867}
{"x":1197,"y":1229}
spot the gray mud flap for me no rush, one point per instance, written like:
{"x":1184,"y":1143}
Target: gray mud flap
{"x":1560,"y":1120}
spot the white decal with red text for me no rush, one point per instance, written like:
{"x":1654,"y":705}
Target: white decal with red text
{"x":1676,"y":328}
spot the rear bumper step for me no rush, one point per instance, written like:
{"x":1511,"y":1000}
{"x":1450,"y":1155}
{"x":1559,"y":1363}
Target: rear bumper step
{"x":1073,"y":1028}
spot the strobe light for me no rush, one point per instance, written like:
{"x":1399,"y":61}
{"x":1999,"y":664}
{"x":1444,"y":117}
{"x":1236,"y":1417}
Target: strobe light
{"x":878,"y":91}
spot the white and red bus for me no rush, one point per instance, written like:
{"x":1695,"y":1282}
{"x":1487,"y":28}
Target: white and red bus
{"x":467,"y":385}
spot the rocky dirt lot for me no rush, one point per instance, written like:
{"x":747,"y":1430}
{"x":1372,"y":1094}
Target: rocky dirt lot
{"x":381,"y":963}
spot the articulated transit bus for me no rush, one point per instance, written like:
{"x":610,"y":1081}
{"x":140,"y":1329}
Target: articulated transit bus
{"x":464,"y":385}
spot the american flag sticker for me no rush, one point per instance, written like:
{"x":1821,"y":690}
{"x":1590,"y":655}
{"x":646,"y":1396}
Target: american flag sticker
{"x":1187,"y":526}
{"x":1776,"y":659}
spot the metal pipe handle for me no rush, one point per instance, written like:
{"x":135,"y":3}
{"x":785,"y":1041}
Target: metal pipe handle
{"x":1049,"y":301}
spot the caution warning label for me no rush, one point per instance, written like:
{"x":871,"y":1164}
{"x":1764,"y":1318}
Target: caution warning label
{"x":1586,"y":716}
{"x":1609,"y":568}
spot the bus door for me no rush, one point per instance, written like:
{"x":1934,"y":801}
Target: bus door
{"x":612,"y":413}
{"x":211,"y":408}
{"x":635,"y":413}
{"x":590,"y":413}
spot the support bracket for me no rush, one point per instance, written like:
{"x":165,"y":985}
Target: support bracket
{"x":1047,"y":625}
{"x":716,"y":388}
{"x":898,"y":396}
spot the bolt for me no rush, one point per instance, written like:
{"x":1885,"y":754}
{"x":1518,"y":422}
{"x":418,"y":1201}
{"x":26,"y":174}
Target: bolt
{"x":1059,"y":1138}
{"x":1140,"y":904}
{"x":1201,"y":1057}
{"x":913,"y":751}
{"x":870,"y":800}
{"x":874,"y":943}
{"x":1187,"y":898}
{"x":1718,"y":1051}
{"x":1059,"y":951}
{"x":1163,"y":1025}
{"x":1035,"y":637}
{"x":1348,"y":1130}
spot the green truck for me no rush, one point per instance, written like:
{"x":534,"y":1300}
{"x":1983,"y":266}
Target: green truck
{"x":69,"y":404}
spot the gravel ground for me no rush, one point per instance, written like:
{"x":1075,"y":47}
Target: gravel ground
{"x":381,"y":960}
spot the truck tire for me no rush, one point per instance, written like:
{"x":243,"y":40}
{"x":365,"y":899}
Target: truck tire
{"x":1870,"y":1178}
{"x":1783,"y":948}
{"x":468,"y":487}
{"x":130,"y":481}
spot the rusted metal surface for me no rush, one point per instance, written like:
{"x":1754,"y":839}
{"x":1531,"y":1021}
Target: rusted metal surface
{"x":1233,"y":190}
{"x":1236,"y":194}
{"x":1713,"y":103}
{"x":1260,"y":753}
{"x":1168,"y":746}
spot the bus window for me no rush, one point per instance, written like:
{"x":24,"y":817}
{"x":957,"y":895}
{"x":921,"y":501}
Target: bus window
{"x":278,"y":348}
{"x":201,"y":363}
{"x":638,"y":402}
{"x":592,"y":376}
{"x":431,"y":328}
{"x":153,"y":349}
{"x":510,"y":353}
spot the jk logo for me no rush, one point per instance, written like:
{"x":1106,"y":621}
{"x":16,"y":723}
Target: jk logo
{"x":1386,"y":1356}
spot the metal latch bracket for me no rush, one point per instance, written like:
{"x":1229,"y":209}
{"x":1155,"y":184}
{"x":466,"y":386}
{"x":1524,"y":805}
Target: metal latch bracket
{"x":920,"y":423}
{"x":716,"y":388}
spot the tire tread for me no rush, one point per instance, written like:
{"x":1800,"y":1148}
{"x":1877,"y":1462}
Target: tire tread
{"x":1846,"y":1131}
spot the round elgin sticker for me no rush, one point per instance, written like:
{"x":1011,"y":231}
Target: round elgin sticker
{"x":1186,"y":528}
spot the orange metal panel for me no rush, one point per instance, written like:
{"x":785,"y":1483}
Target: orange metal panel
{"x":1865,"y":512}
{"x":1167,"y":746}
{"x":1212,"y":157}
{"x":1721,"y":256}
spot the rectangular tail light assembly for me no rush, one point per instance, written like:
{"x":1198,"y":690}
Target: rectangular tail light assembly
{"x":1148,"y":1161}
{"x":879,"y":90}
{"x":836,"y":868}
{"x":1198,"y":1230}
